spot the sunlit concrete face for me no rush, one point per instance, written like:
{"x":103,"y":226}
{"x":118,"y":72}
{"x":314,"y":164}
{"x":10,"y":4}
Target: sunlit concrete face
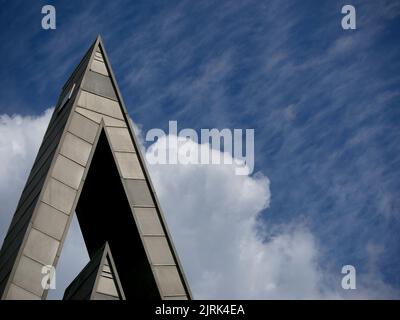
{"x":89,"y":163}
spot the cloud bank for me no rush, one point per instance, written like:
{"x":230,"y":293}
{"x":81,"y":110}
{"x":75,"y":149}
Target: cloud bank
{"x":215,"y":218}
{"x":20,"y":138}
{"x":213,"y":215}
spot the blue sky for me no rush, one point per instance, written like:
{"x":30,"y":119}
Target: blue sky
{"x":324,"y":102}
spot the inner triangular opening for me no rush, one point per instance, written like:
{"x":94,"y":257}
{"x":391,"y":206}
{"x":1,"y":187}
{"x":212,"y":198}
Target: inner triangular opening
{"x":104,"y":215}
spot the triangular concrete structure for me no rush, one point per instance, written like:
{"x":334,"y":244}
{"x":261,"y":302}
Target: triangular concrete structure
{"x":99,"y":280}
{"x":90,"y":163}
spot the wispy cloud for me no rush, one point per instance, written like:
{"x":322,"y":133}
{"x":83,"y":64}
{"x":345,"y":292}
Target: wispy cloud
{"x":323,"y":102}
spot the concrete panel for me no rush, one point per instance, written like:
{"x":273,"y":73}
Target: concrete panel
{"x":129,"y":165}
{"x":100,"y":296}
{"x":97,"y":117}
{"x":17,"y":293}
{"x":76,"y":149}
{"x":158,"y":250}
{"x":98,"y":55}
{"x":41,"y":247}
{"x":106,"y":269}
{"x":139,"y":193}
{"x":59,"y":196}
{"x":100,"y":104}
{"x":148,"y":221}
{"x":176,"y":298}
{"x":68,"y":172}
{"x":83,"y":128}
{"x":99,"y":84}
{"x":107,"y":286}
{"x":50,"y":221}
{"x":98,"y":59}
{"x":99,"y":66}
{"x":169,"y":280}
{"x":120,"y":139}
{"x":29,"y":276}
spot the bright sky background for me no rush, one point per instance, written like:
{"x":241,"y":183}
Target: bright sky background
{"x":324,"y":103}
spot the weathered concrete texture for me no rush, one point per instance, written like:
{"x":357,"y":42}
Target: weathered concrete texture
{"x":17,"y":293}
{"x":50,"y":221}
{"x":97,"y":117}
{"x":138,"y":193}
{"x":98,"y":64}
{"x":100,"y":105}
{"x":99,"y":84}
{"x":89,"y":151}
{"x":76,"y":149}
{"x":67,"y":172}
{"x":120,"y":139}
{"x":148,"y":221}
{"x":59,"y":196}
{"x":129,"y":165}
{"x":27,"y":274}
{"x":169,"y":281}
{"x":158,"y":249}
{"x":35,"y":183}
{"x":83,"y":127}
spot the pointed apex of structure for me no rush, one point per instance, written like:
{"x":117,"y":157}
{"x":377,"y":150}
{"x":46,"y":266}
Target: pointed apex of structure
{"x":90,"y":163}
{"x":99,"y":42}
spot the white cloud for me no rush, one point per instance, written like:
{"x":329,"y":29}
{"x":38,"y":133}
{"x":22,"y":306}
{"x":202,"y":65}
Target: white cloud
{"x":20,"y":138}
{"x":214,"y":216}
{"x":211,"y":211}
